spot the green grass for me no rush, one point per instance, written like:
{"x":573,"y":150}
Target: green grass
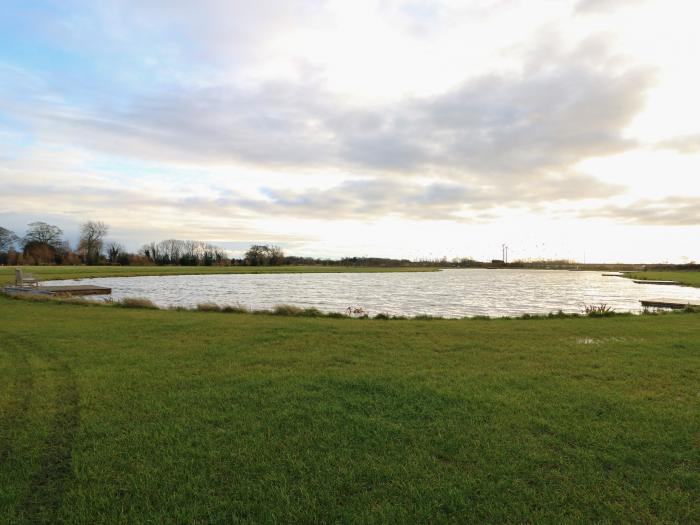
{"x":684,"y":277}
{"x":7,"y":273}
{"x":115,"y":415}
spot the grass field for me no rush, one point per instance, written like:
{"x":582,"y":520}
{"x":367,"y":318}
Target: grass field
{"x":687,"y":277}
{"x":7,"y":273}
{"x":115,"y":415}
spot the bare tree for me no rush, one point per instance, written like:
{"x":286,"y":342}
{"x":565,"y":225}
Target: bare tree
{"x":185,"y":253}
{"x":114,"y":251}
{"x":8,"y":240}
{"x":92,"y":235}
{"x":42,"y":233}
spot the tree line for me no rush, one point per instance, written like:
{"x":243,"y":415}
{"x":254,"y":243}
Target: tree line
{"x":45,"y":244}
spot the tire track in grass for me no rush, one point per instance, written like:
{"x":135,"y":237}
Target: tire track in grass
{"x":14,"y":416}
{"x":48,"y":484}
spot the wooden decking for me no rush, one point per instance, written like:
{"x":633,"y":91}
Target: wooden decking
{"x":644,"y":281}
{"x":670,"y":303}
{"x":82,"y":289}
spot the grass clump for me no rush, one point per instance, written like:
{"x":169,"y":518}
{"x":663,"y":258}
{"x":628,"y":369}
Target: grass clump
{"x":598,"y":310}
{"x":209,"y":307}
{"x":228,"y":308}
{"x":235,"y":309}
{"x":137,"y":302}
{"x":296,"y":311}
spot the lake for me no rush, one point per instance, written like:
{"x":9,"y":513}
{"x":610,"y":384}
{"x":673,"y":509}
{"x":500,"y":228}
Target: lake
{"x":447,"y":293}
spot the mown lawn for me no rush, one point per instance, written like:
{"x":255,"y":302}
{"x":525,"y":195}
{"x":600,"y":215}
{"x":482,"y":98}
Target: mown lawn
{"x":115,"y":415}
{"x":685,"y":277}
{"x":7,"y":273}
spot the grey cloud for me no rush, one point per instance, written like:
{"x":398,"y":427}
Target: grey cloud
{"x":368,"y":199}
{"x":510,"y":139}
{"x":359,"y":199}
{"x":671,"y":211}
{"x":438,"y":200}
{"x":494,"y":129}
{"x":193,"y":215}
{"x":502,"y":126}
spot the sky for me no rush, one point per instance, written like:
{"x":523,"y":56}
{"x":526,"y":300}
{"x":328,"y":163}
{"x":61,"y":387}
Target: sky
{"x":416,"y":129}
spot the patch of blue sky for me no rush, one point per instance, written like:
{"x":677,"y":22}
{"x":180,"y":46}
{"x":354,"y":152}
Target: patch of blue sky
{"x":15,"y":137}
{"x":26,"y":39}
{"x":78,"y":60}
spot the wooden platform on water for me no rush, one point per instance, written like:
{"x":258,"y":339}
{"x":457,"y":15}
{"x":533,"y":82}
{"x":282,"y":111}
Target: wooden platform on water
{"x":643,"y":281}
{"x":614,"y":274}
{"x":670,"y":303}
{"x":82,"y":289}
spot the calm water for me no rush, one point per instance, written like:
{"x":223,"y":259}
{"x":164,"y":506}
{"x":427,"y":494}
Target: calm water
{"x":447,"y":293}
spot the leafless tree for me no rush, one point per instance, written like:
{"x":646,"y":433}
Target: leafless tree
{"x":92,"y":235}
{"x":114,"y":251}
{"x":186,"y":253}
{"x":8,"y":240}
{"x":42,"y":233}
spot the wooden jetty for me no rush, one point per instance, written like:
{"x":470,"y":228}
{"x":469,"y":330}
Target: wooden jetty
{"x":670,"y":303}
{"x":614,"y":274}
{"x":644,"y":281}
{"x":82,"y":289}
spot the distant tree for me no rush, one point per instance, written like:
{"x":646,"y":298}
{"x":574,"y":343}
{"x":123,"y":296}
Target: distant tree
{"x":114,"y":251}
{"x":184,"y":253}
{"x":43,"y":243}
{"x":8,"y":240}
{"x":263,"y":255}
{"x":42,"y":233}
{"x":92,"y":235}
{"x":64,"y":255}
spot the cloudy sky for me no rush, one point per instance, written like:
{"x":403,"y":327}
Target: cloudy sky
{"x":420,"y":128}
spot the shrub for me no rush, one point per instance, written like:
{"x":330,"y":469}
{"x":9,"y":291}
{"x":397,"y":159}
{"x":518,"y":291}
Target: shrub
{"x":296,"y":311}
{"x":287,"y":309}
{"x":559,"y":315}
{"x":235,"y":309}
{"x":208,"y":307}
{"x":137,"y":302}
{"x":599,"y":310}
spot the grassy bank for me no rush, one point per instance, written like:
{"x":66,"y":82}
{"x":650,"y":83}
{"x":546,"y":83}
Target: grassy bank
{"x":44,"y":273}
{"x":113,"y":415}
{"x":686,"y":278}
